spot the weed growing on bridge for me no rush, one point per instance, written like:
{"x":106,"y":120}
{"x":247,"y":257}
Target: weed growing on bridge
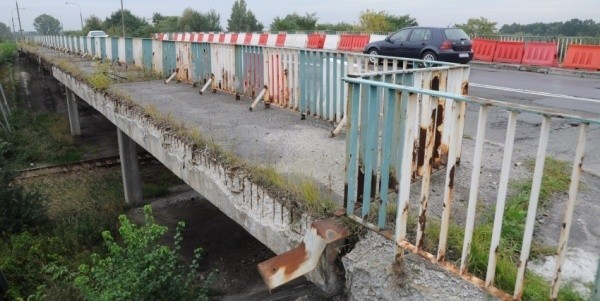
{"x":99,"y":80}
{"x":302,"y":191}
{"x":555,"y":181}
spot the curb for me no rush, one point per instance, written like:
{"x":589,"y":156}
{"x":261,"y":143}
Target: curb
{"x":544,"y":70}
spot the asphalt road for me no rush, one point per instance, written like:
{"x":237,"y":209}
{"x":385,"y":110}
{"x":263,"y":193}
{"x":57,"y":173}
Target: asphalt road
{"x":560,"y":91}
{"x":564,"y":93}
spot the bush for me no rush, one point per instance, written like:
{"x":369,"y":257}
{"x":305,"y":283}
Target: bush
{"x":22,"y":257}
{"x":139,"y":268}
{"x":7,"y":52}
{"x":20,"y":209}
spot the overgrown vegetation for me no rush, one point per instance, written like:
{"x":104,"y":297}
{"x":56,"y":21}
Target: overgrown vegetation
{"x":138,"y":267}
{"x":48,"y":227}
{"x":7,"y":52}
{"x":555,"y":181}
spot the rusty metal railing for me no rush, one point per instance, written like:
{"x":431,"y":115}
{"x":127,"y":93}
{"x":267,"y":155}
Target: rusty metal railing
{"x":381,"y":113}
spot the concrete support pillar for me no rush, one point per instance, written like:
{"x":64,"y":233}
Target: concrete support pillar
{"x":73,"y":113}
{"x":129,"y":168}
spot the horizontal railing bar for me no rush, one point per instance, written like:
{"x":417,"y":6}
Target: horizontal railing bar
{"x":482,"y":101}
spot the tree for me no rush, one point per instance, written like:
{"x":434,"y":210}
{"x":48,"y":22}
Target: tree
{"x":92,"y":23}
{"x":134,"y":25}
{"x":373,"y":21}
{"x":192,"y":20}
{"x":242,"y":19}
{"x":341,"y":26}
{"x":168,"y":24}
{"x":5,"y":33}
{"x":573,"y":27}
{"x":398,"y":22}
{"x":157,"y":17}
{"x":295,"y":22}
{"x":46,"y":25}
{"x":481,"y":26}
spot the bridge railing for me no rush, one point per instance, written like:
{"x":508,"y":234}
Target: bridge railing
{"x":379,"y":174}
{"x":309,"y":81}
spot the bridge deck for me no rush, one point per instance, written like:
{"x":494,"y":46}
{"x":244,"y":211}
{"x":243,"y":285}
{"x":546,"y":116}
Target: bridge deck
{"x":269,"y":137}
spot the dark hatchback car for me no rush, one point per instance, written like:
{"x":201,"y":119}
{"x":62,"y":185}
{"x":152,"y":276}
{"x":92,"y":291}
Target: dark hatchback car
{"x":426,"y":43}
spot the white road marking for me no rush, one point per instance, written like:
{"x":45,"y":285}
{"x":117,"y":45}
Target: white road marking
{"x":507,"y":89}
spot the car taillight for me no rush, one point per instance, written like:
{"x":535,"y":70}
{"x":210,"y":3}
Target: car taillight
{"x":446,"y":45}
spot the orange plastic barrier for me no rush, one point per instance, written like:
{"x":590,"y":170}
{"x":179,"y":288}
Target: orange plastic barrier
{"x":248,"y":38}
{"x":355,"y":43}
{"x":509,"y":52}
{"x":234,"y":38}
{"x":262,"y":40}
{"x":345,"y":42}
{"x":280,"y":42}
{"x":540,"y":54}
{"x":484,"y":49}
{"x":582,"y":57}
{"x":221,"y":37}
{"x":316,"y":41}
{"x":359,"y":42}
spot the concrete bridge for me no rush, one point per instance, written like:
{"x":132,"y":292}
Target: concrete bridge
{"x":283,"y":171}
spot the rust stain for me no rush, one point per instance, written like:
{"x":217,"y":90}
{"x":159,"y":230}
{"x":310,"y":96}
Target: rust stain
{"x":330,"y":230}
{"x":439,"y":127}
{"x":465,"y":88}
{"x":421,"y":149}
{"x":443,"y":152}
{"x":451,"y":175}
{"x":435,"y":83}
{"x":422,"y":222}
{"x":289,"y":261}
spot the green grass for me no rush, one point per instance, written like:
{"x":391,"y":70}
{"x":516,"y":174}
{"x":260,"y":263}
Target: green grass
{"x":42,"y":138}
{"x":83,"y":204}
{"x":7,"y":52}
{"x":555,"y":181}
{"x":156,"y":181}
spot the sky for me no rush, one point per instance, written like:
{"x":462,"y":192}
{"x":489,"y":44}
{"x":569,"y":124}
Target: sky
{"x":430,"y":12}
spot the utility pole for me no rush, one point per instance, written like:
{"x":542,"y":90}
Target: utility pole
{"x":19,"y":16}
{"x":80,"y":15}
{"x":14,"y":33}
{"x":123,"y":18}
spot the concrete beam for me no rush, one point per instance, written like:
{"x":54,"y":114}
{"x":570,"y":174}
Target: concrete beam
{"x":132,"y":183}
{"x":73,"y":111}
{"x":274,"y":223}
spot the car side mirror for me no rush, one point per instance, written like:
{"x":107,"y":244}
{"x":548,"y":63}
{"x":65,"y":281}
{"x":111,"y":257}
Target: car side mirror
{"x":387,"y":39}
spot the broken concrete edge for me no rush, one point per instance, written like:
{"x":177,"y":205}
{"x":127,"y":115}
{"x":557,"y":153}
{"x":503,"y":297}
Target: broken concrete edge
{"x":303,"y":259}
{"x":277,"y":224}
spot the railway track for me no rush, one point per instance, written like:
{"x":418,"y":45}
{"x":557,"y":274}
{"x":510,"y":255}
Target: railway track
{"x":106,"y":162}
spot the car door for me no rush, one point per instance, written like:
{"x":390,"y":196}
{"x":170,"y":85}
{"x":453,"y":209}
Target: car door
{"x":418,"y":39}
{"x":394,"y":44}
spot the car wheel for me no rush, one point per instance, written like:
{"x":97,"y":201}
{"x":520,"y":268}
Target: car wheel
{"x":372,"y":52}
{"x":429,"y":56}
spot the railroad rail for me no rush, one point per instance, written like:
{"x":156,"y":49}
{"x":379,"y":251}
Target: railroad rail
{"x":106,"y":162}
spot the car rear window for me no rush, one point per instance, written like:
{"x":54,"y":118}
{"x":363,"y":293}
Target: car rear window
{"x":455,"y":34}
